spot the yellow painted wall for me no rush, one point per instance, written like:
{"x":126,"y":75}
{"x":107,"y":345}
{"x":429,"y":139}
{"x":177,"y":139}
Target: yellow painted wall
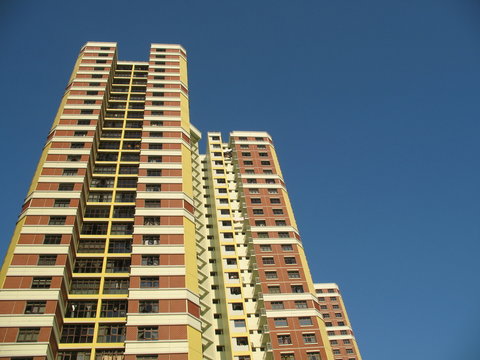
{"x":194,"y":344}
{"x":190,"y":256}
{"x":11,"y":248}
{"x":183,"y":71}
{"x":185,"y":111}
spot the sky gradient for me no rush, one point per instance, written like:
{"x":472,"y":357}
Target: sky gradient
{"x":373,"y":107}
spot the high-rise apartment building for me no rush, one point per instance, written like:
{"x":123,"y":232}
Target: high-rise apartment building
{"x":132,"y":245}
{"x":339,"y":330}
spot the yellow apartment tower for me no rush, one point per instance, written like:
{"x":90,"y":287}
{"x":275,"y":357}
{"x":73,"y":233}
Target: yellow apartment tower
{"x":131,"y":245}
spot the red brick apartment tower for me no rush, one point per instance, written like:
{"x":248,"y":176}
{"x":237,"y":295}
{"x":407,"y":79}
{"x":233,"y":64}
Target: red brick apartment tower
{"x":130,"y":245}
{"x":102,"y":263}
{"x":339,"y":330}
{"x":287,"y":295}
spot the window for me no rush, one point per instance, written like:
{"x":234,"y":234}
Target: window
{"x":237,"y":306}
{"x":74,"y":157}
{"x":77,"y":333}
{"x":301,"y":304}
{"x":271,"y":275}
{"x":280,"y":322}
{"x":287,"y":247}
{"x":85,"y":286}
{"x":65,"y":187}
{"x":346,"y":341}
{"x":91,"y":246}
{"x":85,"y":122}
{"x":277,"y":211}
{"x":151,"y":239}
{"x":73,"y":355}
{"x":28,"y":334}
{"x":61,"y":203}
{"x":326,"y":315}
{"x":274,"y":290}
{"x":35,"y":307}
{"x":297,"y":289}
{"x":336,"y":352}
{"x":338,"y":315}
{"x":313,"y":356}
{"x":260,"y":223}
{"x":248,"y":163}
{"x":277,"y":305}
{"x":81,"y":309}
{"x":52,"y":239}
{"x":116,"y":286}
{"x":151,"y":220}
{"x":272,"y":191}
{"x":111,"y":333}
{"x":94,"y":228}
{"x":265,"y":248}
{"x":70,"y":172}
{"x":283,"y":234}
{"x":266,"y":163}
{"x":294,"y":275}
{"x":147,"y":333}
{"x":284,"y":339}
{"x":121,"y":229}
{"x":256,"y":201}
{"x":280,"y":223}
{"x":152,"y":203}
{"x":246,"y":154}
{"x":149,"y":282}
{"x":41,"y":282}
{"x":153,"y":187}
{"x":118,"y":265}
{"x":333,"y":342}
{"x":287,"y":357}
{"x":148,"y":306}
{"x":97,"y":212}
{"x":268,"y":261}
{"x":343,"y":332}
{"x":274,"y":201}
{"x":309,"y":338}
{"x":341,"y":323}
{"x":119,"y":246}
{"x":290,"y":260}
{"x":147,"y":357}
{"x":79,"y":133}
{"x":349,"y":351}
{"x":150,"y":260}
{"x":47,"y":260}
{"x":88,"y":265}
{"x":77,"y":145}
{"x":154,"y":172}
{"x":305,"y":321}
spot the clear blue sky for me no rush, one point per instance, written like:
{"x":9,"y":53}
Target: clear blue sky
{"x":374,"y":109}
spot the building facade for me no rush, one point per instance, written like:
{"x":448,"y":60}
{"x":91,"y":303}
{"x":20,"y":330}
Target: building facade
{"x":133,"y":245}
{"x":339,"y":329}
